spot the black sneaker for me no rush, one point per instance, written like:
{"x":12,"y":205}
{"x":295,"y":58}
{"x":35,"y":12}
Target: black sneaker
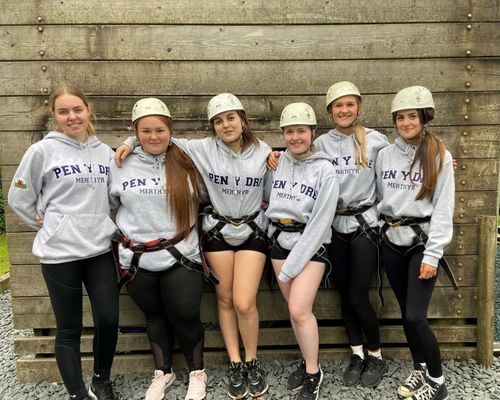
{"x":431,"y":391}
{"x":102,"y":390}
{"x":352,"y":374}
{"x":238,"y":388}
{"x":373,"y":371}
{"x":415,"y":381}
{"x":310,"y":388}
{"x":256,"y":378}
{"x":296,"y":378}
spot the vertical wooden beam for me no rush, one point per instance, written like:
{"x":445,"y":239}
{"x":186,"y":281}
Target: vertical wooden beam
{"x":486,"y":290}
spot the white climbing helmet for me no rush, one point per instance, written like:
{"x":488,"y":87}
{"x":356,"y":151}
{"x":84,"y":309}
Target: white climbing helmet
{"x":297,"y":114}
{"x":223,"y":102}
{"x":149,"y":106}
{"x":413,"y":97}
{"x":341,"y":89}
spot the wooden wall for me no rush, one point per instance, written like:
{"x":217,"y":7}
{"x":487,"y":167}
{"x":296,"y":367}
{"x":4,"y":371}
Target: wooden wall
{"x":268,"y":53}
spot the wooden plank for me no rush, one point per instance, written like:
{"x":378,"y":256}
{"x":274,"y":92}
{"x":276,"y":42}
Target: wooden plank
{"x":129,"y":342}
{"x":20,"y":244}
{"x":29,"y":113}
{"x":254,"y":42}
{"x":36,"y":312}
{"x":36,"y":369}
{"x":27,"y":280}
{"x":260,"y":77}
{"x":486,"y":290}
{"x":249,"y":12}
{"x":477,"y":174}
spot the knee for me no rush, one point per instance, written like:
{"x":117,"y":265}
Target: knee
{"x":245,"y":307}
{"x":414,"y":322}
{"x":68,"y":337}
{"x":298,"y":314}
{"x":225,"y":302}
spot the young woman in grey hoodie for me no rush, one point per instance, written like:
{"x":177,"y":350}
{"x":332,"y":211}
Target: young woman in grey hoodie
{"x":232,"y":164}
{"x":61,"y":189}
{"x":157,"y":194}
{"x":354,"y":247}
{"x":302,"y":202}
{"x":416,"y":187}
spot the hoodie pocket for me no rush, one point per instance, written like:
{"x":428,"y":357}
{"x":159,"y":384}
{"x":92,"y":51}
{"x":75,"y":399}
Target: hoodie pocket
{"x":78,"y":235}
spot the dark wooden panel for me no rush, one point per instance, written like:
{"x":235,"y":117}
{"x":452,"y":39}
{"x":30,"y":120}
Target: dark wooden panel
{"x":35,"y":369}
{"x":36,"y":312}
{"x":248,"y":42}
{"x":152,"y":78}
{"x":248,"y":12}
{"x":128,"y":342}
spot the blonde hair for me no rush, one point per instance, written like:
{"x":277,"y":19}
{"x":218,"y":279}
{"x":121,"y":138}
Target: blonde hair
{"x":73,"y":91}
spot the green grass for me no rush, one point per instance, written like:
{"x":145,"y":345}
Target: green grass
{"x":4,"y":255}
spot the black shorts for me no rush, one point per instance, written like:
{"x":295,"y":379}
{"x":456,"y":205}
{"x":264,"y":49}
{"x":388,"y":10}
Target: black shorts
{"x":279,"y":253}
{"x":254,"y":244}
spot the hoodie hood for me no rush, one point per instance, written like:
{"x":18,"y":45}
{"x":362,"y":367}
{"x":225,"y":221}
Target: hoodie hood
{"x":407,"y":149}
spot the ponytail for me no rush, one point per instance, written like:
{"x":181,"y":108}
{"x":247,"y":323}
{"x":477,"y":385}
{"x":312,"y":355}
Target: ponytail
{"x":360,"y":145}
{"x":430,"y":150}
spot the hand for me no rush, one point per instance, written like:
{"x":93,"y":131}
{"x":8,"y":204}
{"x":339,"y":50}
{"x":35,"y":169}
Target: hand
{"x":427,"y":271}
{"x":121,"y":154}
{"x":455,"y":164}
{"x":38,"y":219}
{"x":272,"y":159}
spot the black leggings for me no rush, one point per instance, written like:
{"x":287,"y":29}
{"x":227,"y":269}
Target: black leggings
{"x":64,"y":282}
{"x":413,"y":295}
{"x":353,"y":266}
{"x":171,"y":301}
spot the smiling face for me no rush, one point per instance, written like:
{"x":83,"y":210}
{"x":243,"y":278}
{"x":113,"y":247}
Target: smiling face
{"x":298,"y":140}
{"x":344,"y":112}
{"x":153,"y":133}
{"x":72,"y":116}
{"x":228,"y":127}
{"x":409,"y":125}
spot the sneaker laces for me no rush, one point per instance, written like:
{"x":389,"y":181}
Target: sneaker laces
{"x":235,"y":372}
{"x":426,"y":392}
{"x":197,"y":383}
{"x":415,"y":379}
{"x":254,"y":370}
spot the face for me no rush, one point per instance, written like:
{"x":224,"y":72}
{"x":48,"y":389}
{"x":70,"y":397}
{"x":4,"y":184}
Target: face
{"x":153,"y":134}
{"x":408,"y":124}
{"x":298,"y":140}
{"x":344,"y":112}
{"x":229,"y":128}
{"x":72,"y":116}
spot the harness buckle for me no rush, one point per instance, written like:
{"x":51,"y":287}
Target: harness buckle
{"x":237,"y":221}
{"x":286,"y":221}
{"x":395,"y":224}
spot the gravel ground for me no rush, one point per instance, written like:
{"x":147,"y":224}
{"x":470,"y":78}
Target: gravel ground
{"x":465,"y":380}
{"x":497,"y":297}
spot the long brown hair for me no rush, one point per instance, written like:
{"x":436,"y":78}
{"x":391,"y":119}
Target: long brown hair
{"x":247,"y":136}
{"x":183,"y":186}
{"x":430,"y":150}
{"x":73,"y":91}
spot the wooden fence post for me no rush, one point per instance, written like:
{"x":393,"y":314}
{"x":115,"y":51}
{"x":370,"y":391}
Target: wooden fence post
{"x":486,"y":290}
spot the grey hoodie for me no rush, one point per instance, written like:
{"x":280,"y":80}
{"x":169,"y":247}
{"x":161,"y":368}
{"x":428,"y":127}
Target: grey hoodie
{"x":234,"y":181}
{"x":305,"y":191}
{"x":357,"y":185}
{"x":138,"y":189}
{"x":397,"y":199}
{"x":66,"y":182}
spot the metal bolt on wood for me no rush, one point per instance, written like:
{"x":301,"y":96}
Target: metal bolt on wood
{"x":468,"y":53}
{"x":40,"y":29}
{"x":468,"y":84}
{"x":45,"y":90}
{"x":466,"y":117}
{"x":467,"y":101}
{"x":469,"y":15}
{"x":464,"y":133}
{"x":469,"y":67}
{"x":469,"y":27}
{"x":41,"y":52}
{"x":39,"y":19}
{"x":44,"y":68}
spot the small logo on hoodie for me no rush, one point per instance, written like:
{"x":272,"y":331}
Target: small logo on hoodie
{"x":20,"y":184}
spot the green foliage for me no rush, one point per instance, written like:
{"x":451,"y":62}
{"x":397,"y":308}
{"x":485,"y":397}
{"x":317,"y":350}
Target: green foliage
{"x":2,"y":211}
{"x":4,"y":255}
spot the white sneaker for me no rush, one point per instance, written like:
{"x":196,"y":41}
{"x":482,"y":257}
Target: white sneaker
{"x":159,"y":383}
{"x":197,"y":385}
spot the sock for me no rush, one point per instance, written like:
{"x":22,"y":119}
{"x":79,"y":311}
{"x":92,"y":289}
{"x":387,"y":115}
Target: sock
{"x":376,"y":353}
{"x":439,"y":380}
{"x":358,"y":350}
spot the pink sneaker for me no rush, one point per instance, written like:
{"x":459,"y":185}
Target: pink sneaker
{"x":197,"y":385}
{"x":160,"y":382}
